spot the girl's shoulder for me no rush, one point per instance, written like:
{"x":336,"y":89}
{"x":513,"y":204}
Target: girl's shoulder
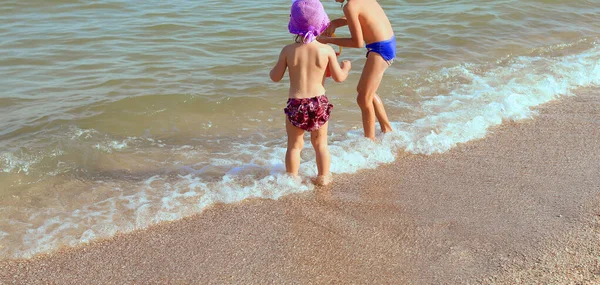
{"x":291,"y":47}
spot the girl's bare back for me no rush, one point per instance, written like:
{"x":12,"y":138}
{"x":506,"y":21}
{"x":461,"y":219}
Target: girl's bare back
{"x":307,"y":64}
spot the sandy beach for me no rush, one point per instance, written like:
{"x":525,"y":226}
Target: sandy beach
{"x":521,"y":206}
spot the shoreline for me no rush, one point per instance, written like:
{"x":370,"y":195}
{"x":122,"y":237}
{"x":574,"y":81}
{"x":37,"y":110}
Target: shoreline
{"x":523,"y":204}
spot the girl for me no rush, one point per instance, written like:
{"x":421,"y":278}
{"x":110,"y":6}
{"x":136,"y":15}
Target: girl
{"x":308,"y":108}
{"x":367,"y":22}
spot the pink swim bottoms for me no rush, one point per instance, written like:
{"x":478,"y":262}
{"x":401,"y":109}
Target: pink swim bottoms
{"x":308,"y":114}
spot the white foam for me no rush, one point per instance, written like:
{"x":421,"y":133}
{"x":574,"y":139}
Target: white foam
{"x":11,"y":163}
{"x":503,"y":93}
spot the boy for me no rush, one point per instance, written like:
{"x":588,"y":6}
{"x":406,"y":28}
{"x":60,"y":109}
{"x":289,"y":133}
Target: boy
{"x":368,"y":23}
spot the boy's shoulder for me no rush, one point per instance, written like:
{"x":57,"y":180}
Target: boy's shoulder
{"x":360,"y":4}
{"x":353,"y":3}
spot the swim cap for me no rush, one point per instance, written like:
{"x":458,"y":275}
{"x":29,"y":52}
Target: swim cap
{"x":308,"y":19}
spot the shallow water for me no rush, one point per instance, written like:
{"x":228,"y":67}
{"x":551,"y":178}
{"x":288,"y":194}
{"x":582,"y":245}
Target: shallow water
{"x":116,"y":115}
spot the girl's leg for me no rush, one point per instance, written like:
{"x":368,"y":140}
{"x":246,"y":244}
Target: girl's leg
{"x":318,"y":139}
{"x":294,"y":147}
{"x":370,"y":104}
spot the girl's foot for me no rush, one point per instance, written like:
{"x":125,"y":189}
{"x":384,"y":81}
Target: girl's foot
{"x":322,"y":180}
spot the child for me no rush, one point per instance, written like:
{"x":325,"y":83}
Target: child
{"x":367,"y":22}
{"x":308,"y":108}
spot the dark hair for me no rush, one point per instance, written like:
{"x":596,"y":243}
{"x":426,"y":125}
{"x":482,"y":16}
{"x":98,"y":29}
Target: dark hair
{"x":299,"y":39}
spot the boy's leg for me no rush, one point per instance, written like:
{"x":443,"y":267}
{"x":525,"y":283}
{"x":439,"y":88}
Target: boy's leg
{"x":294,"y":147}
{"x":318,"y":139}
{"x":381,"y":115}
{"x":370,"y":105}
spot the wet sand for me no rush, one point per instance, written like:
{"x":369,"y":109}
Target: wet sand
{"x":521,"y":206}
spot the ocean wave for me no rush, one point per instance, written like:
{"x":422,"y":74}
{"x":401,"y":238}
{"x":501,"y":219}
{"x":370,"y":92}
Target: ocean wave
{"x":166,"y":180}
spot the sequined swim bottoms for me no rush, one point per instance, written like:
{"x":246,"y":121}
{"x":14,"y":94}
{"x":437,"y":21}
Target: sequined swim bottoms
{"x":308,"y":114}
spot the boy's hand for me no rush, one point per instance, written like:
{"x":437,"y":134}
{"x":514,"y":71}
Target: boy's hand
{"x":330,"y":30}
{"x":323,"y":39}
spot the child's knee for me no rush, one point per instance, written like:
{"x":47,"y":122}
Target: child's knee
{"x":319,"y":144}
{"x":317,"y":139}
{"x":295,"y":144}
{"x":363,"y":100}
{"x":316,"y":143}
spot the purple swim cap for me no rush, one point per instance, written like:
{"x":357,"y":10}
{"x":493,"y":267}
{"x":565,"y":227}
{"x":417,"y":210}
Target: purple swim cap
{"x":308,"y":19}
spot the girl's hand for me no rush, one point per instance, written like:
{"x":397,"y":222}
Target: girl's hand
{"x":346,"y":65}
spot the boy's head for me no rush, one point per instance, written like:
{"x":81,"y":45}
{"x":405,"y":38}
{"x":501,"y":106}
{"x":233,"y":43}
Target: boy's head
{"x":308,"y":19}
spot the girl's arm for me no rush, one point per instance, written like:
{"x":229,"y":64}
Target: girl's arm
{"x":356,"y":37}
{"x":339,"y":72}
{"x":279,"y":69}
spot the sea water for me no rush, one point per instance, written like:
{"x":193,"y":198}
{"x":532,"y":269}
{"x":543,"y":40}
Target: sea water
{"x":116,"y":115}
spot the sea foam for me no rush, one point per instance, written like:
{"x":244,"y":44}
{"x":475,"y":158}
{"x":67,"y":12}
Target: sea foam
{"x":481,"y":99}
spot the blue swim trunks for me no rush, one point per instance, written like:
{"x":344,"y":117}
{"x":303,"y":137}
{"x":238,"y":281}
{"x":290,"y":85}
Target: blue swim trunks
{"x":387,"y":49}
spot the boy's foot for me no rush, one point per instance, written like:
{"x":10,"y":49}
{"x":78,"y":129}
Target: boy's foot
{"x":386,"y":130}
{"x":322,"y":180}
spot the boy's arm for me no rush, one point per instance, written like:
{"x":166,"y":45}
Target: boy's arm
{"x":356,"y":37}
{"x":339,"y":72}
{"x":340,"y":22}
{"x":278,"y":70}
{"x":333,"y":25}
